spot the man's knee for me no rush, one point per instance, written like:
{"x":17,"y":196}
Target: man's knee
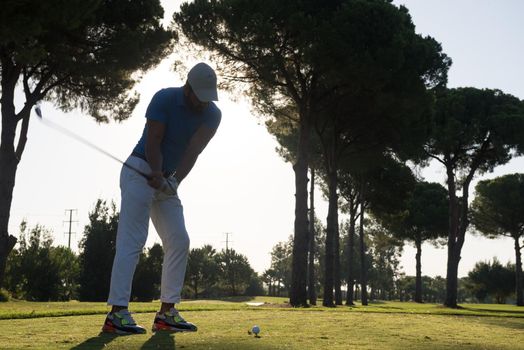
{"x":178,"y":240}
{"x":130,"y":245}
{"x":183,"y":241}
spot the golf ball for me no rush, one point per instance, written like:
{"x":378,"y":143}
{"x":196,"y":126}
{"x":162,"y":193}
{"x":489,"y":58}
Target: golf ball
{"x":255,"y":330}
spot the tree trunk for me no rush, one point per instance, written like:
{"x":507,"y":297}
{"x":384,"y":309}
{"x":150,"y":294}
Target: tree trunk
{"x":233,"y":287}
{"x":195,"y":285}
{"x":330,"y":256}
{"x":298,"y":294}
{"x":351,"y":247}
{"x":418,"y":280}
{"x":453,"y":259}
{"x":459,"y":223}
{"x":8,"y":166}
{"x":312,"y":293}
{"x":452,"y":278}
{"x":363,"y":270}
{"x":336,"y":271}
{"x":336,"y":240}
{"x":518,"y":274}
{"x":459,"y":226}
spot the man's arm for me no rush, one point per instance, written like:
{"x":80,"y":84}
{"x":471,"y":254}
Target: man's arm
{"x":197,"y":144}
{"x":155,"y":134}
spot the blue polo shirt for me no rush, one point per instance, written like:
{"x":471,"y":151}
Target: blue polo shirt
{"x":169,"y":107}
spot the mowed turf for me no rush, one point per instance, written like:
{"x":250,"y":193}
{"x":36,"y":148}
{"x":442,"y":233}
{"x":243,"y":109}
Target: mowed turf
{"x":225,"y":325}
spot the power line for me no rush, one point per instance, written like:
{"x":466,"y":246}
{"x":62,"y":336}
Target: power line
{"x":227,"y":240}
{"x":70,"y":221}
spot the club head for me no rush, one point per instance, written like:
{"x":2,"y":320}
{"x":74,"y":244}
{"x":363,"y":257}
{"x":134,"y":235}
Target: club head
{"x":38,"y":111}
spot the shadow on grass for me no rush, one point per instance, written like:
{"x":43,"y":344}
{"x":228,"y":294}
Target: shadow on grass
{"x":506,"y":322}
{"x":228,"y":344}
{"x":384,"y":307}
{"x":516,"y":313}
{"x":160,"y":340}
{"x":96,"y":343}
{"x":237,"y":299}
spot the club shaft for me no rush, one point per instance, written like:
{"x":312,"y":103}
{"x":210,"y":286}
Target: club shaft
{"x":90,"y":144}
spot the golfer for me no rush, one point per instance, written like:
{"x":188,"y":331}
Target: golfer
{"x":180,"y":123}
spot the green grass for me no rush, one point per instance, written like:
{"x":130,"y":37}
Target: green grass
{"x":223,"y":324}
{"x":26,"y":309}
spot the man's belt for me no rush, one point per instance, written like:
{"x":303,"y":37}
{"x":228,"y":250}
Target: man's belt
{"x":141,"y":156}
{"x":138,"y":155}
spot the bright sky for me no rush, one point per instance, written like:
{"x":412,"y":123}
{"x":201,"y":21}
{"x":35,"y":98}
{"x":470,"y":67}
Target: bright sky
{"x":240,"y":185}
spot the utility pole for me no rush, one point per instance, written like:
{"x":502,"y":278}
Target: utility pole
{"x":227,"y":240}
{"x":70,"y":221}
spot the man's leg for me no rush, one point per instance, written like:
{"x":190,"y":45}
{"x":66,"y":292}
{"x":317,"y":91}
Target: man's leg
{"x":131,"y":237}
{"x":168,"y":217}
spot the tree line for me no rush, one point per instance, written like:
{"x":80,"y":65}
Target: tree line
{"x":356,"y":97}
{"x":487,"y":282}
{"x":352,"y":93}
{"x":38,"y":271}
{"x":61,"y":275}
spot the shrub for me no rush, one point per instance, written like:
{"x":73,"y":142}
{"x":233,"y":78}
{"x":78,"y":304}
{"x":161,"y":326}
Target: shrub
{"x":4,"y":295}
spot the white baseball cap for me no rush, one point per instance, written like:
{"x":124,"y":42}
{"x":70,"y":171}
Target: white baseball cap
{"x":203,"y":81}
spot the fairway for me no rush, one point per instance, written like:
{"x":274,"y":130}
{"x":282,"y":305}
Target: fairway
{"x":225,"y":325}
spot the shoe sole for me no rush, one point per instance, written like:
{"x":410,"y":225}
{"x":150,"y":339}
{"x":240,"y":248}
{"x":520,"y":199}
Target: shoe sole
{"x":170,"y":329}
{"x":113,"y":330}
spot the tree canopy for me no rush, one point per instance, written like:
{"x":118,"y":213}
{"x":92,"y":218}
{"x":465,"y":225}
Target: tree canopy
{"x":492,"y":279}
{"x":425,"y":219}
{"x":39,"y":271}
{"x":473,"y":131}
{"x":83,"y":54}
{"x":97,"y":251}
{"x":498,"y":207}
{"x":304,"y":59}
{"x":498,"y":210}
{"x":148,"y":274}
{"x":202,"y":270}
{"x":80,"y":54}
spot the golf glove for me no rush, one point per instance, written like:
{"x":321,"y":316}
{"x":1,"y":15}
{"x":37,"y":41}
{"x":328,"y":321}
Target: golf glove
{"x":169,"y":186}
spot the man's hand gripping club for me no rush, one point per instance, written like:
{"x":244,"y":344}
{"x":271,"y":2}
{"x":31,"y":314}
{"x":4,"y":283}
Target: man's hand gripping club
{"x":167,"y":186}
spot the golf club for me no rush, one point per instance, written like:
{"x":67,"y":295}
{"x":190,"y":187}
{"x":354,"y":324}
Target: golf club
{"x":168,"y":187}
{"x":84,"y":141}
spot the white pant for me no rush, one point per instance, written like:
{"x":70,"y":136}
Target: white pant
{"x":139,"y":203}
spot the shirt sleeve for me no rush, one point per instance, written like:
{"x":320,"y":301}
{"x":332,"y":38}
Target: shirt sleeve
{"x":156,"y":110}
{"x":214,"y":121}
